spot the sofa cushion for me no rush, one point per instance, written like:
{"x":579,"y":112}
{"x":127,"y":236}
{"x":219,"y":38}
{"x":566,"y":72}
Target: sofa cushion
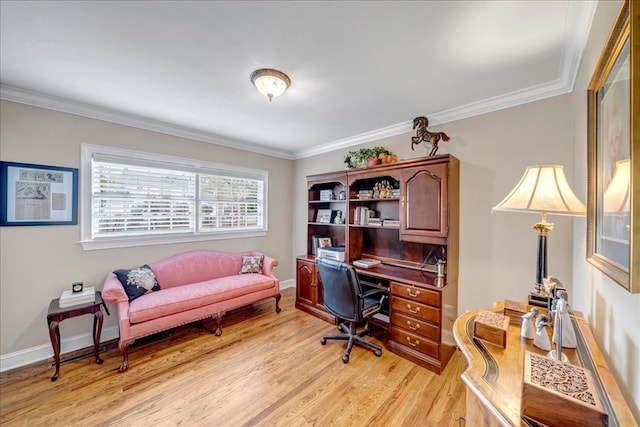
{"x":183,"y":298}
{"x":138,"y":281}
{"x":251,"y":264}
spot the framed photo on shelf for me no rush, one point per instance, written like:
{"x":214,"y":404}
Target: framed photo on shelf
{"x":319,"y":241}
{"x":612,"y":166}
{"x":323,"y":216}
{"x":38,"y":195}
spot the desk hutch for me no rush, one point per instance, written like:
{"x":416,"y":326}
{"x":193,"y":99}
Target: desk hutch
{"x":414,"y":235}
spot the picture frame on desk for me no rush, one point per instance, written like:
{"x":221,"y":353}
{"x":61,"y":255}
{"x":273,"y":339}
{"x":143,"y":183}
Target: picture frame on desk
{"x":320,"y":241}
{"x":612,"y":165}
{"x":33,"y":194}
{"x":323,"y":216}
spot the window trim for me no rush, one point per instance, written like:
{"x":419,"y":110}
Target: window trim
{"x":89,"y":151}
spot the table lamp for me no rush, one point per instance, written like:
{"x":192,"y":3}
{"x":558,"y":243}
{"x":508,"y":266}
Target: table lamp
{"x":542,"y":189}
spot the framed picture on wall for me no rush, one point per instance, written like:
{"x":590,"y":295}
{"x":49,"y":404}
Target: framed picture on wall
{"x":33,"y":194}
{"x":612,"y":165}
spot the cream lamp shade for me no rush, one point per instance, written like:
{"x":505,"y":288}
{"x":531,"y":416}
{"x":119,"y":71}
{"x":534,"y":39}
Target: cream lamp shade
{"x":616,"y":196}
{"x":544,"y":189}
{"x":269,"y":82}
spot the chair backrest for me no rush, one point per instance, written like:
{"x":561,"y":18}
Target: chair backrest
{"x":340,"y":289}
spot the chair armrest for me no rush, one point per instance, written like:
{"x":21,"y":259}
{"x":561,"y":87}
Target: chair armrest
{"x":372,"y":292}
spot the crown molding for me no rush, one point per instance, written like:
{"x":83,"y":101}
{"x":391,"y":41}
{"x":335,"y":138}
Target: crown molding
{"x":508,"y":100}
{"x":512,"y":99}
{"x":580,"y":17}
{"x":64,"y":105}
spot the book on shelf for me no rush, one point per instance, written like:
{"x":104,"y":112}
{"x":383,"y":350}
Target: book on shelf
{"x":69,"y":298}
{"x":375,"y":222}
{"x":391,"y":223}
{"x":366,"y":262}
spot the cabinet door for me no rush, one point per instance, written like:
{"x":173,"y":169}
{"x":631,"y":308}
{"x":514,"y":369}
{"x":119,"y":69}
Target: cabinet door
{"x":305,"y":282}
{"x":424,"y":207}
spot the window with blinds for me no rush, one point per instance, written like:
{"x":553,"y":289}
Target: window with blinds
{"x":141,"y":198}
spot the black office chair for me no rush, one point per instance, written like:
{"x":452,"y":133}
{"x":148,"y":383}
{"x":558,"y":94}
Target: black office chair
{"x":344,"y":298}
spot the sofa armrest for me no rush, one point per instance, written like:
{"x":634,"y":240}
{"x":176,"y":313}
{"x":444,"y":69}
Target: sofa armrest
{"x":268,"y":264}
{"x":112,"y":291}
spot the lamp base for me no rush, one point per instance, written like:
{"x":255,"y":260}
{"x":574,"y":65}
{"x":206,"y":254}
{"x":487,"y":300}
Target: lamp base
{"x":554,"y":355}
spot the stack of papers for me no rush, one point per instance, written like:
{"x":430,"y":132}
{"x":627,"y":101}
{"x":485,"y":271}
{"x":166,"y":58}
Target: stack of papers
{"x":68,"y":298}
{"x":366,"y":263}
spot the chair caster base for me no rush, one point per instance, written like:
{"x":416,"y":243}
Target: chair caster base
{"x":378,"y":353}
{"x":345,"y":359}
{"x":323,"y":341}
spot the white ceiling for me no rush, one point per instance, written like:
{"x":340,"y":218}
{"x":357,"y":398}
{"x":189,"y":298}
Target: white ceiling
{"x":360,"y":70}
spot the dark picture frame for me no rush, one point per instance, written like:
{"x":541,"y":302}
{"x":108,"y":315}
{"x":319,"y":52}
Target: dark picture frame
{"x":32,"y":194}
{"x":613,"y":154}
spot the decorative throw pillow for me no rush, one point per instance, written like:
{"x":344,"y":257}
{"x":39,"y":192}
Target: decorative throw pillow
{"x":251,"y":264}
{"x":138,"y":281}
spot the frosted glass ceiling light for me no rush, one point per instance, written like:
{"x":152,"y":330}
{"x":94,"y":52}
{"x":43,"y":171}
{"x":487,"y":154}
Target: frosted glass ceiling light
{"x":271,"y":83}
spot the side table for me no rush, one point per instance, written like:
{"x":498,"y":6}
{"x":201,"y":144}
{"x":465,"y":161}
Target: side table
{"x":55,"y":315}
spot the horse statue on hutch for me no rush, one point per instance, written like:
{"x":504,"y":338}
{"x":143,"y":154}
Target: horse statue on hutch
{"x":423,"y":135}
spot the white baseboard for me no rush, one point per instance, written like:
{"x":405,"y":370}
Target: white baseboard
{"x":284,"y":284}
{"x":44,"y":351}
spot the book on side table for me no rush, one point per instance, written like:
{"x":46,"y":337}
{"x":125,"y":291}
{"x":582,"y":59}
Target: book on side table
{"x":70,"y":298}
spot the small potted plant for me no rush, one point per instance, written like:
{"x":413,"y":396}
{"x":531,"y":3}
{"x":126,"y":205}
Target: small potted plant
{"x":366,"y":157}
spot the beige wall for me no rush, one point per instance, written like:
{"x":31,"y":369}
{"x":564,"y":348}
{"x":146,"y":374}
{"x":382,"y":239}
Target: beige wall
{"x":38,"y":263}
{"x":613,"y":313}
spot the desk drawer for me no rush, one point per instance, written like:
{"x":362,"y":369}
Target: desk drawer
{"x":421,"y":344}
{"x":414,"y":293}
{"x":415,"y":326}
{"x":415,"y":309}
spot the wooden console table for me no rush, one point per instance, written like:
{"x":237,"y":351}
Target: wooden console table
{"x":494,"y":374}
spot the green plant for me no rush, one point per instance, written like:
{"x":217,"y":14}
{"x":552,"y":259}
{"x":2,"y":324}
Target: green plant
{"x":358,"y":158}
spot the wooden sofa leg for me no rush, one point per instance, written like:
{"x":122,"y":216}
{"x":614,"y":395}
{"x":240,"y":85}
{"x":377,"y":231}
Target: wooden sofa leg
{"x":277,"y":297}
{"x":219,"y":323}
{"x":124,"y":349}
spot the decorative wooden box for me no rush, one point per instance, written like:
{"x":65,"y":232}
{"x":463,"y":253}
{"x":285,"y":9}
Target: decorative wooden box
{"x":491,"y":327}
{"x":555,"y":393}
{"x":514,"y":310}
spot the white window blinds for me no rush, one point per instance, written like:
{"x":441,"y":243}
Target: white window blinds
{"x":132,"y":198}
{"x":230,"y":203}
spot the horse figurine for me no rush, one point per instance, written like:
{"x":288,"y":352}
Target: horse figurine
{"x":422,"y":134}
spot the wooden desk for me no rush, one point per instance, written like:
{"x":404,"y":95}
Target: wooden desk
{"x":494,"y":375}
{"x":56,"y":315}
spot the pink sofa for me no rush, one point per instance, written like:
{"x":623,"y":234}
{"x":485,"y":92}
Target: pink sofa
{"x":194,"y":285}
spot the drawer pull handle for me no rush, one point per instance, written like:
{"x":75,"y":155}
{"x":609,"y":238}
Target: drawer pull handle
{"x":413,"y":344}
{"x":416,"y":295}
{"x":417,"y":310}
{"x":413,"y":328}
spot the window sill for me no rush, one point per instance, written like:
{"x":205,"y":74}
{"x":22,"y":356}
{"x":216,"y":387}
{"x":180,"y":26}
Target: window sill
{"x":132,"y":241}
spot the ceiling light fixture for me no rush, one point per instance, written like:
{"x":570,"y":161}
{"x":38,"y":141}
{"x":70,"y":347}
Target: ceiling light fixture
{"x":271,"y":83}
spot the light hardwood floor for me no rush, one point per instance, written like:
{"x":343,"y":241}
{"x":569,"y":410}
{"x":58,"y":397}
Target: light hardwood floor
{"x":266,"y":369}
